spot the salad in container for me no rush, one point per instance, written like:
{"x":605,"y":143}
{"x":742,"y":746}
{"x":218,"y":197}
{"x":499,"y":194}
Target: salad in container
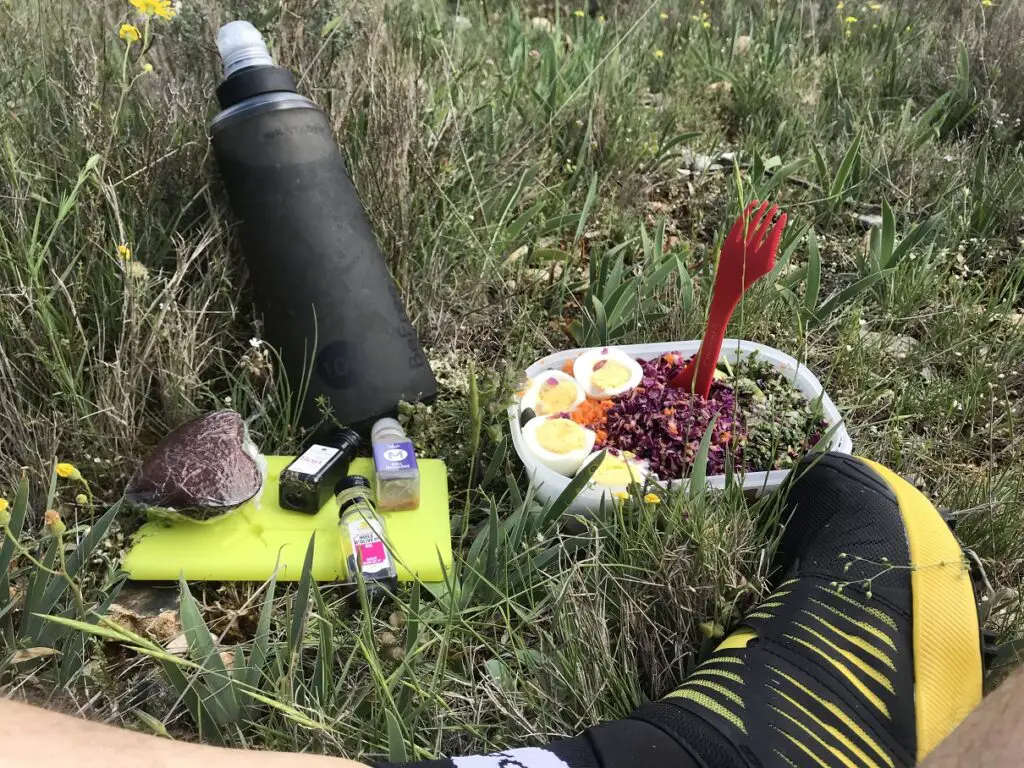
{"x":617,"y":405}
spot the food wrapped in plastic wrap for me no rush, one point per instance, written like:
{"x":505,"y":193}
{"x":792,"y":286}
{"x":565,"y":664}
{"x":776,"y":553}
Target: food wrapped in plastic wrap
{"x":202,"y":470}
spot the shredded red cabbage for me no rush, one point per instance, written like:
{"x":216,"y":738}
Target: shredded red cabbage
{"x":664,"y":425}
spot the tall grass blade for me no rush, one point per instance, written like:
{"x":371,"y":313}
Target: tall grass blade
{"x":699,"y":473}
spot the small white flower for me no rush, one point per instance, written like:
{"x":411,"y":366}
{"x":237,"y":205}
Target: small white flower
{"x":255,"y":343}
{"x":849,"y":348}
{"x":948,"y":158}
{"x":227,"y":400}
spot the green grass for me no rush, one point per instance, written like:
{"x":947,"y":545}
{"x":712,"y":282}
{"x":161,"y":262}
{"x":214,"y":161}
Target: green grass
{"x":508,"y":166}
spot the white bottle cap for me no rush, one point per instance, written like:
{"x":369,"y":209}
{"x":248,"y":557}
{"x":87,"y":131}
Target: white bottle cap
{"x":241,"y":45}
{"x":390,"y":427}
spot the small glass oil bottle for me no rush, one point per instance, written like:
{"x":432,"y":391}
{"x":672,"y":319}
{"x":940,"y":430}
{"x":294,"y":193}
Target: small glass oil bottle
{"x":364,"y":537}
{"x":394,"y":461}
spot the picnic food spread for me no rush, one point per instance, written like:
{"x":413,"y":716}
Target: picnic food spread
{"x":653,"y":428}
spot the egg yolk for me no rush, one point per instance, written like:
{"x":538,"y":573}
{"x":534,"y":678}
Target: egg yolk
{"x":561,"y":436}
{"x":615,"y":470}
{"x":556,"y":398}
{"x":610,"y":376}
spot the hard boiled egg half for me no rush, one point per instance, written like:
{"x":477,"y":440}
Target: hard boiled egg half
{"x":553,"y":392}
{"x":559,"y":443}
{"x":605,"y":372}
{"x":617,"y":469}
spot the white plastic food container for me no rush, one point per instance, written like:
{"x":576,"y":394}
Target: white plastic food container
{"x":548,"y":484}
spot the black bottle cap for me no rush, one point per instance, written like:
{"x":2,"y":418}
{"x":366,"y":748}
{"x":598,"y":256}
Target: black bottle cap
{"x":352,"y":481}
{"x":348,"y":441}
{"x":253,"y":81}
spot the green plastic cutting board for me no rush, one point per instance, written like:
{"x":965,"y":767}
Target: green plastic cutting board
{"x":250,"y":543}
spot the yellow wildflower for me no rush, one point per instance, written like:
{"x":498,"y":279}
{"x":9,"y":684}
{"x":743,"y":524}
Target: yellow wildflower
{"x":663,"y":16}
{"x":52,"y":521}
{"x":81,"y":499}
{"x":161,"y":8}
{"x":987,"y":3}
{"x":601,"y":19}
{"x":129,"y":33}
{"x":706,"y":24}
{"x":5,"y":515}
{"x":850,"y":19}
{"x":147,"y":67}
{"x":123,"y":251}
{"x":579,"y":13}
{"x":840,"y":5}
{"x":652,"y":498}
{"x":621,"y":495}
{"x":659,"y":54}
{"x":68,"y":471}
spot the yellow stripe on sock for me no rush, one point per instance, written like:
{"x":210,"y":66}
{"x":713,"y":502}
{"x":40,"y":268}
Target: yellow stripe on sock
{"x":725,"y":660}
{"x":718,"y":688}
{"x":860,"y":624}
{"x":879,"y":614}
{"x":838,"y":735}
{"x":708,"y":703}
{"x":737,"y":639}
{"x":845,"y":671}
{"x":785,"y":759}
{"x":732,"y":676}
{"x":947,"y":657}
{"x":806,"y":749}
{"x":860,"y":642}
{"x":874,"y":674}
{"x":842,"y":758}
{"x":846,"y":719}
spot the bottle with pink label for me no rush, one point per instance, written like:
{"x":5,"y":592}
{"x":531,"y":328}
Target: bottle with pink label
{"x":364,"y":537}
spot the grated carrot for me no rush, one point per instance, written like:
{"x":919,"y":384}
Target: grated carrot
{"x":592,"y":414}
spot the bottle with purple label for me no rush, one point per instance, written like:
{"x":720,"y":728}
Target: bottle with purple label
{"x":398,"y":474}
{"x":364,"y":537}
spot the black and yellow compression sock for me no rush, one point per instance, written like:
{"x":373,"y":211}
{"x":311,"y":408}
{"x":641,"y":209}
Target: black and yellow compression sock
{"x":868,"y":651}
{"x":866,"y":655}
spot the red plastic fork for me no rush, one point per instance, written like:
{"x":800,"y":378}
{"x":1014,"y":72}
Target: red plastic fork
{"x":748,"y":254}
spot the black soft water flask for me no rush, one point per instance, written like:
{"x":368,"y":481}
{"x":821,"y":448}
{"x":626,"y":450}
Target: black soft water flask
{"x":328,"y":303}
